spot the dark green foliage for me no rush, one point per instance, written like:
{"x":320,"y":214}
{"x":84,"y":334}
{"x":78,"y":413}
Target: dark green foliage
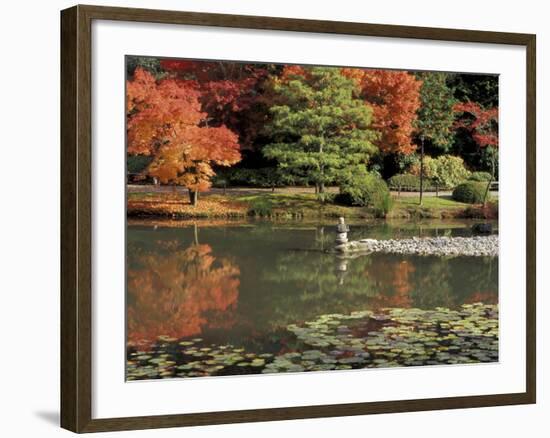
{"x":480,"y":176}
{"x":150,"y":64}
{"x":136,"y":164}
{"x":219,"y":181}
{"x":262,"y":177}
{"x":261,"y":207}
{"x":470,"y":192}
{"x":391,"y":164}
{"x":319,"y":127}
{"x":482,"y":89}
{"x":366,"y":190}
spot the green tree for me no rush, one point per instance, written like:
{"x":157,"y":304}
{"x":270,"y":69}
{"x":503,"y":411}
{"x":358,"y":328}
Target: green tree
{"x":435,"y":115}
{"x":319,"y":127}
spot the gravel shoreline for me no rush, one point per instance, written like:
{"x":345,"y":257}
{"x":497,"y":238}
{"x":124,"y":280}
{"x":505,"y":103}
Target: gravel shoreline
{"x":480,"y":246}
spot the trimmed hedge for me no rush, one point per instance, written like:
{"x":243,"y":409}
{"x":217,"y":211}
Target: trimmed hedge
{"x":404,"y":181}
{"x":480,"y":176}
{"x":365,"y":190}
{"x":407,"y":182}
{"x":470,"y":192}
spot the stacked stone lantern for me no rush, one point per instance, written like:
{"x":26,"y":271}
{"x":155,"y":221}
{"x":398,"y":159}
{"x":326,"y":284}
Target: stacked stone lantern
{"x":341,"y":232}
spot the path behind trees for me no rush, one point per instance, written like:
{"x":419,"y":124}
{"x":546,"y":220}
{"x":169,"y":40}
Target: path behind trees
{"x":244,"y":191}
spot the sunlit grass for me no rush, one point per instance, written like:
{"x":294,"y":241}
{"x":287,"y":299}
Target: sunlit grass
{"x":428,"y":202}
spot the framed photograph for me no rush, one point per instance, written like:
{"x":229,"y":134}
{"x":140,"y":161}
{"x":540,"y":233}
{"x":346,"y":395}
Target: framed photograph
{"x":270,"y":218}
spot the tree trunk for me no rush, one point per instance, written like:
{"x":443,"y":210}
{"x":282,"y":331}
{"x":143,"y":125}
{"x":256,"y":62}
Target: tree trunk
{"x":421,"y":168}
{"x":193,"y":197}
{"x":321,"y":169}
{"x":485,"y":196}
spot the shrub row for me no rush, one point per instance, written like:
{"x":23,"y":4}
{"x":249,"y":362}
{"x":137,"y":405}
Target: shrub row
{"x":404,"y":181}
{"x":407,"y":182}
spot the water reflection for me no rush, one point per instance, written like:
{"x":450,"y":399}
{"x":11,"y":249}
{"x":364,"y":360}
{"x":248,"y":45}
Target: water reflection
{"x":241,"y":284}
{"x":175,"y":292}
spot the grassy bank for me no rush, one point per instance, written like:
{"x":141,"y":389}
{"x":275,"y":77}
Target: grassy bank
{"x":292,"y":206}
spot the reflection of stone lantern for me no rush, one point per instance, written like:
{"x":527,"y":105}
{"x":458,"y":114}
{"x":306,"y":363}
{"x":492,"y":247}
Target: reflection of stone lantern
{"x":342,"y":270}
{"x":342,"y":232}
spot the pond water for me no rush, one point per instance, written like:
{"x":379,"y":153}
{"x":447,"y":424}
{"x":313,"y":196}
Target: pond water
{"x":206,"y":298}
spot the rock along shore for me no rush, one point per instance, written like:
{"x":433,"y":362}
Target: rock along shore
{"x":440,"y":246}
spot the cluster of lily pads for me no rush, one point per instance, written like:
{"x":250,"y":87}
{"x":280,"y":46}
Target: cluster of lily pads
{"x":169,"y":357}
{"x":397,"y":337}
{"x":366,"y":339}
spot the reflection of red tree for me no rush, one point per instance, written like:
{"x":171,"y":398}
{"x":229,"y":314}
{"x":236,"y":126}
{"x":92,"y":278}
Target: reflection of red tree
{"x":485,"y":297}
{"x":171,"y":295}
{"x":393,"y":278}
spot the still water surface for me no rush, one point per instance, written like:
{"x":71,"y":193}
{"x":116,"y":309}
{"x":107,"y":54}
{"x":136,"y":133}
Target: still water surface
{"x":243,"y":284}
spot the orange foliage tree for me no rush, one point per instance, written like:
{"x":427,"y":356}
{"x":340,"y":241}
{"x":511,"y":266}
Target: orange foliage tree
{"x":174,"y":294}
{"x":395,"y":99}
{"x":165,"y":121}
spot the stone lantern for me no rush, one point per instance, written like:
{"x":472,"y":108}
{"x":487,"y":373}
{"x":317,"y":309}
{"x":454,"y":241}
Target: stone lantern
{"x":342,"y":232}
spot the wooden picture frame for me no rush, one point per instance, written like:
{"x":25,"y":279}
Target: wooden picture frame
{"x":76,"y":217}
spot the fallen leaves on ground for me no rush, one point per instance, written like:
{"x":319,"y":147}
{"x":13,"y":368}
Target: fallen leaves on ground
{"x":173,"y":205}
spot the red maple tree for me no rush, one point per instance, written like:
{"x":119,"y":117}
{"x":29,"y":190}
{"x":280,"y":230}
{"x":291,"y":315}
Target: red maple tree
{"x":482,"y":124}
{"x":165,"y":121}
{"x":230,"y":93}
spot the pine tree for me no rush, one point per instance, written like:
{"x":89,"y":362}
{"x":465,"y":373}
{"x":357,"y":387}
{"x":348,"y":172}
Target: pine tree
{"x":320,"y":127}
